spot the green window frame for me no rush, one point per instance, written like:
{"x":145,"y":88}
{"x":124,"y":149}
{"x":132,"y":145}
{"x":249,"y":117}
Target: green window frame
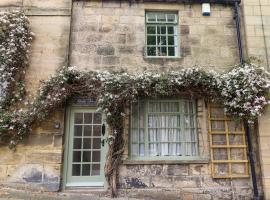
{"x":162,"y":37}
{"x":163,"y":130}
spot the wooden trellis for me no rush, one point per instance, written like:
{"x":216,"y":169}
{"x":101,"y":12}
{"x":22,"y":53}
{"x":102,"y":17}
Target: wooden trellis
{"x":228,"y":145}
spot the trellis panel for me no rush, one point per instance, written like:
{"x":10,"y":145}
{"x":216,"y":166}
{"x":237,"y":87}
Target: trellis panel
{"x":228,"y":145}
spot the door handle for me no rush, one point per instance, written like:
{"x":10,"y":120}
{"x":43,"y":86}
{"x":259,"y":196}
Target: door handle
{"x":103,"y":129}
{"x":103,"y":142}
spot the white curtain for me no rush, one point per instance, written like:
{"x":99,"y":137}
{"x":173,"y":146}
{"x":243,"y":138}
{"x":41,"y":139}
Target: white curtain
{"x":163,"y":130}
{"x":166,"y":135}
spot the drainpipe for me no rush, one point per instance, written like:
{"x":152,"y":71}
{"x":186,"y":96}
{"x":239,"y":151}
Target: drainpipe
{"x":251,"y":160}
{"x":238,"y":30}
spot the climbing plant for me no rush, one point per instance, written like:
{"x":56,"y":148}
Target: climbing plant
{"x":15,"y":40}
{"x":243,"y":91}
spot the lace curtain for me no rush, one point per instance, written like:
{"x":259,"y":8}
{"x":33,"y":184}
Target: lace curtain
{"x":163,"y":129}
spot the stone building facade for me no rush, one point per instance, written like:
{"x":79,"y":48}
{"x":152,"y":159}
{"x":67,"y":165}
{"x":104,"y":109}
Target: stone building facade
{"x":110,"y":35}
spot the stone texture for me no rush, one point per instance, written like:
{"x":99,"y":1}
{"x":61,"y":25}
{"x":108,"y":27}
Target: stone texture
{"x":123,"y":36}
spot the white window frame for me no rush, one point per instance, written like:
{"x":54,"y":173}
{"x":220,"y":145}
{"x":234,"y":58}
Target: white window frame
{"x":157,"y":24}
{"x":145,"y":127}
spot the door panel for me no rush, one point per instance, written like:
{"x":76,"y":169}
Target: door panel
{"x":85,"y":153}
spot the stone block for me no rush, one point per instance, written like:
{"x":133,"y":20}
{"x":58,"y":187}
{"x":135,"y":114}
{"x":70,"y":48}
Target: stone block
{"x":84,"y":48}
{"x":256,"y":42}
{"x":198,"y":169}
{"x":177,"y":170}
{"x":10,"y":3}
{"x":93,"y":4}
{"x":122,"y":38}
{"x":9,"y":157}
{"x":43,"y":139}
{"x":105,"y":28}
{"x":188,"y":197}
{"x":44,"y":157}
{"x":3,"y":172}
{"x":33,"y":175}
{"x":253,"y":20}
{"x":126,"y":49}
{"x":161,"y":182}
{"x":203,"y":197}
{"x":58,"y":140}
{"x":187,"y":182}
{"x":184,"y":29}
{"x":51,"y":186}
{"x":105,"y":50}
{"x":248,"y":10}
{"x":109,"y":19}
{"x":265,"y":10}
{"x":110,"y":60}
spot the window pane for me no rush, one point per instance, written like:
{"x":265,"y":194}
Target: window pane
{"x":96,"y":130}
{"x":151,"y":30}
{"x":141,"y":149}
{"x":134,"y":135}
{"x":95,"y":169}
{"x":161,"y":17}
{"x":96,"y":143}
{"x":86,"y":170}
{"x":77,"y":130}
{"x":76,"y":156}
{"x":97,"y":118}
{"x":171,"y":40}
{"x":151,"y":17}
{"x":78,"y":118}
{"x":163,"y":51}
{"x":151,"y":51}
{"x":134,"y":149}
{"x":76,"y":170}
{"x":170,"y":29}
{"x":77,"y":143}
{"x":87,"y":130}
{"x":163,"y":29}
{"x":87,"y":143}
{"x":151,"y":40}
{"x":87,"y":156}
{"x":171,"y":51}
{"x":162,"y":40}
{"x":88,"y":118}
{"x":96,"y":156}
{"x":171,"y":18}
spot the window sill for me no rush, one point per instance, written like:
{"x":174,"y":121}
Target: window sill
{"x":154,"y":162}
{"x":162,"y":58}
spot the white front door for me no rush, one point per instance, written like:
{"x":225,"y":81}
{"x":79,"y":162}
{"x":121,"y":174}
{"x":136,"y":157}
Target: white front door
{"x":85,"y":148}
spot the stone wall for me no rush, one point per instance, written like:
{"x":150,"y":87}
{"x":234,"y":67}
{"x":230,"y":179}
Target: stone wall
{"x":110,"y":36}
{"x":37,"y":163}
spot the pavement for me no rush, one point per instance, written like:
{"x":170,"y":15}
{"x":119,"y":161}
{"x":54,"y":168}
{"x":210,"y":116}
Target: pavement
{"x":15,"y":194}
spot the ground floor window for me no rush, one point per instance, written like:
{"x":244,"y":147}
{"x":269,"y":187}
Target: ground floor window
{"x":163,"y":129}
